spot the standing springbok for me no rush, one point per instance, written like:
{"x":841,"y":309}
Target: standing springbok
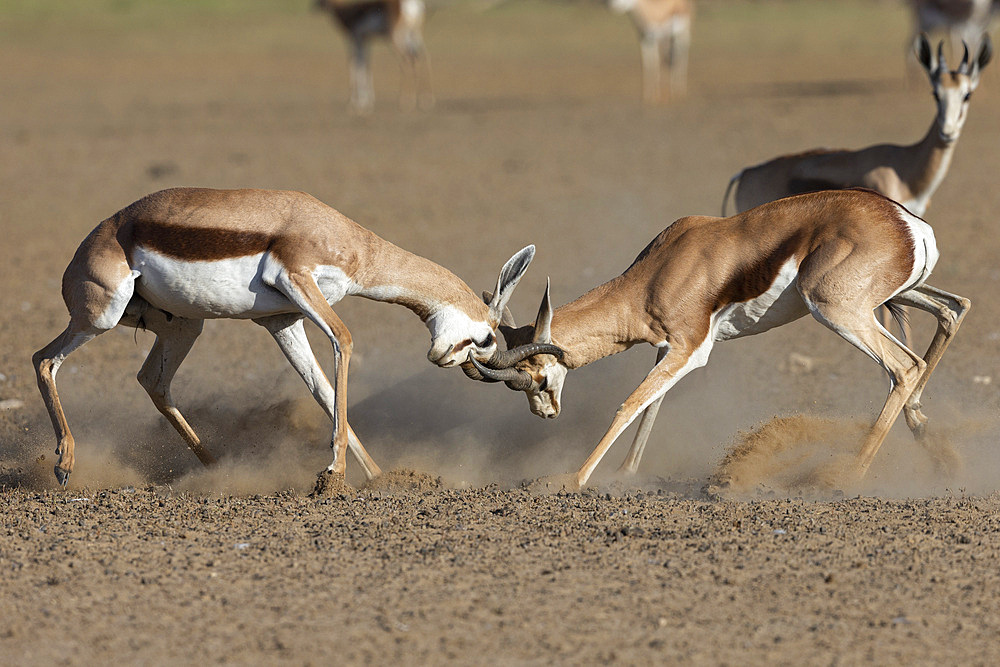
{"x":963,"y":20}
{"x":835,"y":254}
{"x":178,"y":257}
{"x":664,"y":28}
{"x":401,"y":21}
{"x":908,"y":174}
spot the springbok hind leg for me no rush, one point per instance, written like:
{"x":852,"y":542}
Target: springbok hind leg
{"x":856,"y":324}
{"x":950,"y":310}
{"x":47,"y":362}
{"x":174,"y":338}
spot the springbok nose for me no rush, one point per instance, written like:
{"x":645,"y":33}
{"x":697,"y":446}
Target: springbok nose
{"x":436,"y":358}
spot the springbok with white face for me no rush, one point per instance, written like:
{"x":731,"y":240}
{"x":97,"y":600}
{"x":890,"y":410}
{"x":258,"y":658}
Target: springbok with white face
{"x":664,"y":28}
{"x":401,"y":21}
{"x":835,"y":254}
{"x":908,"y":174}
{"x":178,"y":257}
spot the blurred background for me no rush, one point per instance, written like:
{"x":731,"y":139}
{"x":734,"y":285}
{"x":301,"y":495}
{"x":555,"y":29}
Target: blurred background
{"x":538,"y":135}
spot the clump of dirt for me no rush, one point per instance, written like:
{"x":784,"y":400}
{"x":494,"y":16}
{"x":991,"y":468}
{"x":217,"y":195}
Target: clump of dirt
{"x":405,"y":480}
{"x":330,"y":485}
{"x":790,"y":454}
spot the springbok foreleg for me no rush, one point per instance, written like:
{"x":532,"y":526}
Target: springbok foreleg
{"x":680,"y":45}
{"x":362,"y":90}
{"x":679,"y":361}
{"x":650,"y":50}
{"x":290,"y":335}
{"x":631,"y":462}
{"x":950,"y":310}
{"x":174,"y":338}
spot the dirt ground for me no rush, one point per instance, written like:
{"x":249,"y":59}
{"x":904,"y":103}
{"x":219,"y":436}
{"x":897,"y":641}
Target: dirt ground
{"x":537,"y":137}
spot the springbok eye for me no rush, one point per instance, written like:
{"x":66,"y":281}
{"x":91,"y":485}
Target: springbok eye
{"x":967,"y":97}
{"x":487,"y":341}
{"x":543,"y":385}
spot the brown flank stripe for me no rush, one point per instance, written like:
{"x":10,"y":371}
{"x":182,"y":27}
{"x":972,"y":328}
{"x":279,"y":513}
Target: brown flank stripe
{"x":199,"y":243}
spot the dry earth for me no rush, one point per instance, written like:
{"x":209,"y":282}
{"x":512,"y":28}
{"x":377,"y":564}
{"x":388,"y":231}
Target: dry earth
{"x":537,"y":137}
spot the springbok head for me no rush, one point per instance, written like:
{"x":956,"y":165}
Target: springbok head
{"x":952,"y":88}
{"x":459,"y":336}
{"x":532,"y":364}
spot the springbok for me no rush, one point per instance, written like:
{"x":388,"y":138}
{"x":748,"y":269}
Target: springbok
{"x":401,"y":21}
{"x":177,"y":257}
{"x":963,"y":20}
{"x":664,"y":28}
{"x":908,"y":174}
{"x":834,"y":254}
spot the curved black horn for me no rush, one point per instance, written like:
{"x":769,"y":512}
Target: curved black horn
{"x":502,"y":359}
{"x":941,"y":63}
{"x":515,"y":379}
{"x":471,"y":372}
{"x":963,"y":68}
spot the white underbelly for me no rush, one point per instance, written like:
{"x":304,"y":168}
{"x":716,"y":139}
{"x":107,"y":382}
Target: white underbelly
{"x":779,"y":305}
{"x":232,"y":287}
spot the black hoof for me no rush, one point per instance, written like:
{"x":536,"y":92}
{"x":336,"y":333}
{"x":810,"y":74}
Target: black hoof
{"x":62,"y":476}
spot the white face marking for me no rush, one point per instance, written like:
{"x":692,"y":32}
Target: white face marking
{"x":450,"y":327}
{"x":780,"y":304}
{"x":953,"y":107}
{"x":232,"y":287}
{"x":547,"y":403}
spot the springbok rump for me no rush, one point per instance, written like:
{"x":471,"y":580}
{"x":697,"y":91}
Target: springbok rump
{"x":836,"y":255}
{"x":401,"y":22}
{"x":177,"y":257}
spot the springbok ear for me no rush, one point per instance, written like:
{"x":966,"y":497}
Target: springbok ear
{"x":983,"y":59}
{"x":923,"y":50}
{"x":510,"y":275}
{"x":507,"y":319}
{"x":543,"y":321}
{"x":985,"y":51}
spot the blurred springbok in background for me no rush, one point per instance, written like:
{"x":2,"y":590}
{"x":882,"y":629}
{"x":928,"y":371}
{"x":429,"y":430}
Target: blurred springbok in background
{"x":401,"y":21}
{"x":907,"y":174}
{"x":960,"y":20}
{"x":664,"y":28}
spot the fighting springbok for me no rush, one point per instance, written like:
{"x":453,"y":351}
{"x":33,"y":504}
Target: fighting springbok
{"x":177,"y":257}
{"x":664,"y":28}
{"x":835,"y":254}
{"x":908,"y":174}
{"x":401,"y":21}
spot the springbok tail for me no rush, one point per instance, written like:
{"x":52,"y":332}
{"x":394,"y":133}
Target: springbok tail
{"x":725,"y":198}
{"x":902,"y":319}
